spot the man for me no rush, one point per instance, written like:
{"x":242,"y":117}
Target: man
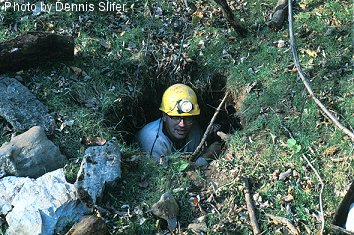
{"x":177,"y":130}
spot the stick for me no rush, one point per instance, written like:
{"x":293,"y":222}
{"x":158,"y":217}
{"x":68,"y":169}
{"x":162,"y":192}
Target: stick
{"x":230,"y":17}
{"x":281,"y":124}
{"x":320,"y":196}
{"x":250,"y":208}
{"x":199,"y":147}
{"x":285,"y":222}
{"x":304,"y":79}
{"x":342,"y":159}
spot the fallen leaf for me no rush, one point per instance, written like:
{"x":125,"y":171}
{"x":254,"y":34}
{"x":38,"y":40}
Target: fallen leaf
{"x":311,"y":53}
{"x":288,"y":198}
{"x":307,"y":189}
{"x":198,"y":14}
{"x":195,"y":201}
{"x":330,"y":151}
{"x":229,"y":156}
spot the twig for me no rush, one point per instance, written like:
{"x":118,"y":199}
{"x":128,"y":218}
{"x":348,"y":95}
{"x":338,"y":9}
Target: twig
{"x":285,"y":222}
{"x":230,"y":17}
{"x":342,"y":159}
{"x":196,"y":152}
{"x":250,"y":208}
{"x":282,"y":125}
{"x":304,"y":79}
{"x":320,"y":196}
{"x":216,"y":209}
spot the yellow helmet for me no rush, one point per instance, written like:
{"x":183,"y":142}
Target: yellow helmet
{"x":180,"y":100}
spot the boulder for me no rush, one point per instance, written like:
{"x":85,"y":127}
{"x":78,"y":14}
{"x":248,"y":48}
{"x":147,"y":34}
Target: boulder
{"x":39,"y":206}
{"x":89,"y":225}
{"x":100,"y":166}
{"x":30,"y":154}
{"x":9,"y":188}
{"x":21,"y":108}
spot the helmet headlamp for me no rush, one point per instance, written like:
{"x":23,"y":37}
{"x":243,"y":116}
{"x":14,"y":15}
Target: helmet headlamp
{"x":184,"y":106}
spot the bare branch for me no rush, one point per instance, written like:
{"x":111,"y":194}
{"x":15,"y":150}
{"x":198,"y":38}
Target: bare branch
{"x":321,"y":191}
{"x":285,"y":222}
{"x":250,"y":208}
{"x":196,"y":152}
{"x":233,"y":21}
{"x":304,"y":79}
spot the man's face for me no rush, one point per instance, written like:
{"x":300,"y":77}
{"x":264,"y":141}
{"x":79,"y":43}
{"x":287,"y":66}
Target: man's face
{"x":177,"y":128}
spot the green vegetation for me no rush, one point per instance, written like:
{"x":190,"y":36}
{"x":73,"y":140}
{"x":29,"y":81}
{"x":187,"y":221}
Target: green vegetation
{"x":123,"y":63}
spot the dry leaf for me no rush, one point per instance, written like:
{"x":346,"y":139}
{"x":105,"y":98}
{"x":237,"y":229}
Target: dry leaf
{"x":94,"y":141}
{"x":330,"y":151}
{"x":311,"y":53}
{"x":288,"y":198}
{"x":307,"y":189}
{"x":229,"y":156}
{"x":284,"y":221}
{"x":198,"y":14}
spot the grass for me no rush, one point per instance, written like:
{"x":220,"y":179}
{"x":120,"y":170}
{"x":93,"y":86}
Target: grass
{"x":131,"y":58}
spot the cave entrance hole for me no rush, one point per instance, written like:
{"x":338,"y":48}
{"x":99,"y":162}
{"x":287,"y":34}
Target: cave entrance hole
{"x":145,"y":107}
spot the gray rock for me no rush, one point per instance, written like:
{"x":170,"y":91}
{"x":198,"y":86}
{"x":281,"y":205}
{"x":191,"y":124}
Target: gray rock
{"x":100,"y":166}
{"x":30,"y":154}
{"x":198,"y":227}
{"x":167,"y":209}
{"x":40,"y":206}
{"x":21,"y":108}
{"x":9,"y":188}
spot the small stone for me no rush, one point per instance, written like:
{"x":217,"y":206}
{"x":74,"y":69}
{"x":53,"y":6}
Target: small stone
{"x":198,"y":227}
{"x":288,"y":198}
{"x":281,"y":44}
{"x":167,"y":209}
{"x":100,"y":166}
{"x":251,"y":71}
{"x":30,"y":154}
{"x":89,"y":225}
{"x":285,"y":175}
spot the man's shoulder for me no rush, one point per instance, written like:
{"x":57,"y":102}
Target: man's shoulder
{"x":149,"y":131}
{"x":151,"y":126}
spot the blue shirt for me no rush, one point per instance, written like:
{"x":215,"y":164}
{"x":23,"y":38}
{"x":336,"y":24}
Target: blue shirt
{"x":155,"y":143}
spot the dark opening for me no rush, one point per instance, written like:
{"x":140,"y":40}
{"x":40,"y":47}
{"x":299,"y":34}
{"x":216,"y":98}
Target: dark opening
{"x":145,"y":108}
